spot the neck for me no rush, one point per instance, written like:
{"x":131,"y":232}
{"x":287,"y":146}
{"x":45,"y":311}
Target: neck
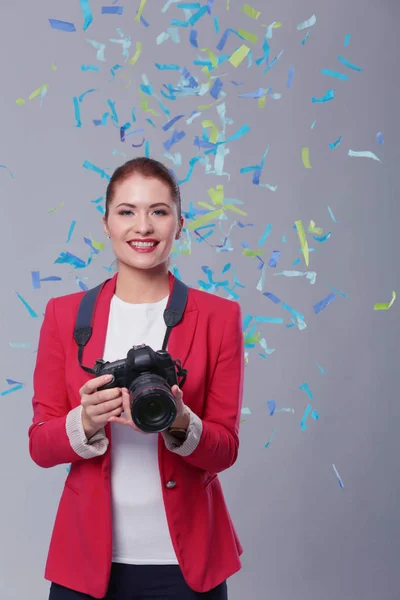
{"x":140,"y":286}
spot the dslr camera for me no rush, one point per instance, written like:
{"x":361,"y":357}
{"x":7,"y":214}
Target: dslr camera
{"x":149,"y":376}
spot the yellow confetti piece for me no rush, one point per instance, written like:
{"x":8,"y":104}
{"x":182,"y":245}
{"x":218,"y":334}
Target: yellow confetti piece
{"x":20,"y":101}
{"x":261,"y":101}
{"x":123,"y":76}
{"x":214,"y":130}
{"x":247,"y":35}
{"x":305,"y":157}
{"x":303,"y":240}
{"x":206,"y":71}
{"x":313,"y":229}
{"x":144,"y":104}
{"x":386,"y":306}
{"x":216,"y":194}
{"x":38,"y":91}
{"x":97,"y":245}
{"x":227,"y":4}
{"x":248,"y":252}
{"x":239,"y":55}
{"x":53,"y":67}
{"x":134,"y":58}
{"x":274,"y":25}
{"x":52,"y":210}
{"x":211,"y":56}
{"x":250,"y":11}
{"x":141,"y":7}
{"x":204,"y":219}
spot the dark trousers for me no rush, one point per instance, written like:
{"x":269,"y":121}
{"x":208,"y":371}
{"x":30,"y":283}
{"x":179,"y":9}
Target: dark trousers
{"x":144,"y":582}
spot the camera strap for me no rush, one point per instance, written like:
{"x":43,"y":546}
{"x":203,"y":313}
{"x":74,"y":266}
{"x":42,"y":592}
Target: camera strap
{"x":83,"y":325}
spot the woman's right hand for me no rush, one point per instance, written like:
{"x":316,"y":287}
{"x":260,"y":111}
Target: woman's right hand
{"x":99,"y":406}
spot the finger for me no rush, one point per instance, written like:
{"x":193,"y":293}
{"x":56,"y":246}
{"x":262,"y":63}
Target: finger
{"x":126,"y":404}
{"x":91,"y":386}
{"x":106,"y":407}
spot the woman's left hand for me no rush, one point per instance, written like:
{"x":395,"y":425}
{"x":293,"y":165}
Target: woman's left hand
{"x":182,"y":415}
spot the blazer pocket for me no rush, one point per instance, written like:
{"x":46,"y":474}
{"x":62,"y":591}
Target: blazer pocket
{"x":209,"y":479}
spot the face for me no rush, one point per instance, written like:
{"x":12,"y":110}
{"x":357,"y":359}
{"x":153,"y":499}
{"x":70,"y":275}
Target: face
{"x":143,"y":222}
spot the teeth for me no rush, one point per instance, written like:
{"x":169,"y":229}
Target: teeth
{"x":142,"y":244}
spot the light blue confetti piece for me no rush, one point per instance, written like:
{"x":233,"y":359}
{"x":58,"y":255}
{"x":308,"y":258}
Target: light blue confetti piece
{"x":338,"y":477}
{"x":270,"y":439}
{"x":303,"y":41}
{"x":216,"y":25}
{"x":226,"y":267}
{"x":70,"y":259}
{"x":70,"y":231}
{"x":364,"y":154}
{"x":303,"y":425}
{"x":313,"y":124}
{"x":323,"y":303}
{"x":114,"y":115}
{"x":321,"y":369}
{"x":245,"y":411}
{"x":271,"y":320}
{"x":336,"y":143}
{"x":81,"y":97}
{"x":330,"y":94}
{"x":335,"y":74}
{"x":339,"y":293}
{"x":315,"y":415}
{"x":348,"y":64}
{"x":61,"y":25}
{"x":7,"y":169}
{"x":147,"y":149}
{"x":19,"y":344}
{"x":304,"y":386}
{"x":87,"y":13}
{"x":347,"y":39}
{"x":189,"y":5}
{"x":30,"y":310}
{"x":68,"y":468}
{"x":112,"y":10}
{"x":290,"y":77}
{"x":197,"y":15}
{"x":273,"y":260}
{"x":331,"y":214}
{"x":322,"y":238}
{"x":272,"y":297}
{"x":309,"y":23}
{"x":291,"y":410}
{"x":100,"y":49}
{"x":167,"y":67}
{"x":11,"y":390}
{"x":272,"y":407}
{"x":379,"y":138}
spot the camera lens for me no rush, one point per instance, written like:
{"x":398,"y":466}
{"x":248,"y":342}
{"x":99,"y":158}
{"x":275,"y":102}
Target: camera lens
{"x":152,"y":403}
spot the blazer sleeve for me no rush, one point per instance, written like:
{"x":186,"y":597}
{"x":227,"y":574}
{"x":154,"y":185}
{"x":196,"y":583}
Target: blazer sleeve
{"x":56,"y":435}
{"x":217,"y":444}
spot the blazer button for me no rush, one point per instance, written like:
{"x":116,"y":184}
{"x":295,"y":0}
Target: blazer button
{"x":171,"y":484}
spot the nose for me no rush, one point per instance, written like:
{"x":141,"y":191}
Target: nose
{"x":143,"y":224}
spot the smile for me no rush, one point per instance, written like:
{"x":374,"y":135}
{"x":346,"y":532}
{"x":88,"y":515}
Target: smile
{"x":143,"y":246}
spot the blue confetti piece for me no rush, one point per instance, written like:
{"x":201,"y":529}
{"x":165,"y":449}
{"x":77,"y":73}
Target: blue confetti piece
{"x":303,"y":425}
{"x":171,"y":122}
{"x":272,"y":407}
{"x":8,"y":170}
{"x":197,"y":15}
{"x":272,"y":297}
{"x":210,"y":4}
{"x":330,"y":94}
{"x":77,"y":112}
{"x":102,"y":121}
{"x":347,"y":39}
{"x":334,"y":74}
{"x":321,"y":369}
{"x":290,"y":77}
{"x":336,"y":143}
{"x":348,"y":64}
{"x":143,"y":20}
{"x":270,"y":439}
{"x":323,"y":303}
{"x":265,"y":235}
{"x":70,"y":231}
{"x":177,"y":136}
{"x":322,"y":238}
{"x":70,"y":259}
{"x":147,"y":149}
{"x":216,"y":25}
{"x":61,"y":25}
{"x":332,"y":216}
{"x":91,"y":167}
{"x":273,"y":261}
{"x":313,"y":124}
{"x":189,"y":5}
{"x":193,"y":38}
{"x":112,"y":10}
{"x":81,"y":97}
{"x":36,"y":280}
{"x":32,"y":313}
{"x":11,"y":390}
{"x":304,"y":386}
{"x":216,"y":88}
{"x":89,"y":68}
{"x":379,"y":138}
{"x":87,"y":13}
{"x":315,"y":415}
{"x":114,"y":115}
{"x":338,"y":477}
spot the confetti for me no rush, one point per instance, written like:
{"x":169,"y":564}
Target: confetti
{"x":347,"y":39}
{"x":348,"y":64}
{"x":239,"y":55}
{"x":303,"y":240}
{"x":7,"y":169}
{"x":305,"y":157}
{"x":36,"y":280}
{"x":334,"y":74}
{"x":138,"y":51}
{"x":309,"y":23}
{"x":338,"y":477}
{"x":270,"y":439}
{"x":250,"y":11}
{"x":385,"y":306}
{"x":379,"y":138}
{"x":30,"y":310}
{"x":336,"y":143}
{"x":364,"y":154}
{"x":61,"y":25}
{"x":112,"y":10}
{"x":323,"y":303}
{"x":330,"y":94}
{"x":87,"y":13}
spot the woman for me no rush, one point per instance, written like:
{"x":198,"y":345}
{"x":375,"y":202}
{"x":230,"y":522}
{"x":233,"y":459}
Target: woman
{"x":141,"y":515}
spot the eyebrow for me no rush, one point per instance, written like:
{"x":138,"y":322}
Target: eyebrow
{"x":151,"y":205}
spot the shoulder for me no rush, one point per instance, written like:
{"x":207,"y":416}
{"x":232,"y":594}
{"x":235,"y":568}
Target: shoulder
{"x":213,"y":305}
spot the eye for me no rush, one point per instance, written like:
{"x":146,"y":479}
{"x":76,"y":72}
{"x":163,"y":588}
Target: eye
{"x":161,"y":211}
{"x":125,"y":212}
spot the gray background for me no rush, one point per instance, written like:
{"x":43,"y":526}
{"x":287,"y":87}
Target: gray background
{"x":303,"y":536}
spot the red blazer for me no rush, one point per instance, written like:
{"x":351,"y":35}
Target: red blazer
{"x":209,"y":342}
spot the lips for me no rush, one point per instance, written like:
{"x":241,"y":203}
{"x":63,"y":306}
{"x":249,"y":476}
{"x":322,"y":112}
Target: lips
{"x":149,"y":243}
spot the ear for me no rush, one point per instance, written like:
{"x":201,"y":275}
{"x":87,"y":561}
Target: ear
{"x":179,"y":231}
{"x":105,"y":226}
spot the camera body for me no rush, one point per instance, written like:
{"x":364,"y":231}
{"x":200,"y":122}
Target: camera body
{"x":149,"y":376}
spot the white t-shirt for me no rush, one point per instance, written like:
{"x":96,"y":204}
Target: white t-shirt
{"x":140,"y":529}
